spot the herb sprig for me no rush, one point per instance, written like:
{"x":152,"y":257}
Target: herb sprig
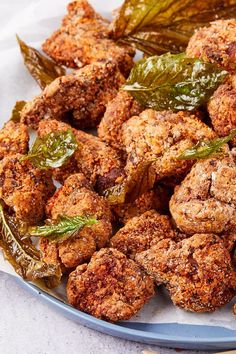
{"x":65,"y":228}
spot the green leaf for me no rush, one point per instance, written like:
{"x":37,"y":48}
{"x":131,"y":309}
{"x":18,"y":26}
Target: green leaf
{"x":22,"y":255}
{"x":43,"y":70}
{"x":15,"y":115}
{"x":173,"y":81}
{"x":64,"y":229}
{"x":53,"y":149}
{"x":157,"y":27}
{"x":205,"y":149}
{"x":137,"y":183}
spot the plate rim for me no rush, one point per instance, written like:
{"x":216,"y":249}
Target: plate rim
{"x":136,"y":334}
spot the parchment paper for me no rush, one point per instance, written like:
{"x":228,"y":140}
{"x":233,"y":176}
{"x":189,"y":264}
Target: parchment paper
{"x":34,"y":21}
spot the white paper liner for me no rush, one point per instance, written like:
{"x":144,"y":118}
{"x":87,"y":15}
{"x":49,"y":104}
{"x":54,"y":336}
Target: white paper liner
{"x":34,"y":23}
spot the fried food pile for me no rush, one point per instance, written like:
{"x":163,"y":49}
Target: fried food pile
{"x":181,"y":232}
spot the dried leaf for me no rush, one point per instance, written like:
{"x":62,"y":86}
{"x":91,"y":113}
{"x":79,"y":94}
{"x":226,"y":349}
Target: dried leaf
{"x":23,"y":256}
{"x":173,"y":81}
{"x":205,"y":149}
{"x":53,"y":149}
{"x":43,"y":70}
{"x":157,"y":27}
{"x":133,"y":186}
{"x":15,"y":115}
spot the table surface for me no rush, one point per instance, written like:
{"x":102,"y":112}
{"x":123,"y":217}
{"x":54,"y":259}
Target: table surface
{"x":28,"y":326}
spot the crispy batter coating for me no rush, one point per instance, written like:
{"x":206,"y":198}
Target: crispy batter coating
{"x":216,"y":44}
{"x":14,"y":138}
{"x":118,"y":111}
{"x":138,"y":233}
{"x":205,"y":202}
{"x":197,"y":271}
{"x":83,"y":38}
{"x":98,"y":161}
{"x":162,"y":137}
{"x":222,"y":109}
{"x":110,"y":287}
{"x":84,"y":93}
{"x":158,"y":199}
{"x":25,"y":188}
{"x":229,"y":239}
{"x":76,"y":197}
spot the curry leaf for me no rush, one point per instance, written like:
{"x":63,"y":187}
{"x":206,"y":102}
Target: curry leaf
{"x":43,"y":70}
{"x":137,"y":183}
{"x":173,"y":81}
{"x":23,"y":256}
{"x":64,"y":229}
{"x":157,"y":27}
{"x":15,"y":115}
{"x":53,"y":149}
{"x":207,"y":148}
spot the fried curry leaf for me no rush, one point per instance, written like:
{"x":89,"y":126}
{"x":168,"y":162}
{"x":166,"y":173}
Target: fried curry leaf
{"x":23,"y":256}
{"x":43,"y":70}
{"x":204,"y":149}
{"x":15,"y":115}
{"x":133,"y":186}
{"x":52,"y":150}
{"x":173,"y":81}
{"x":64,"y":229}
{"x":157,"y":27}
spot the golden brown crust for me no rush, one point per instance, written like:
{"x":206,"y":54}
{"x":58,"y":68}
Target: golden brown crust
{"x":216,"y":44}
{"x":205,"y":201}
{"x":83,"y":38}
{"x":84,"y":93}
{"x":118,"y":111}
{"x":158,"y":199}
{"x":14,"y":138}
{"x":162,"y":137}
{"x":222,"y":110}
{"x":126,"y":211}
{"x":76,"y":197}
{"x":25,"y":188}
{"x":110,"y":287}
{"x":139,"y":232}
{"x":229,"y":239}
{"x":197,"y":271}
{"x":98,"y":161}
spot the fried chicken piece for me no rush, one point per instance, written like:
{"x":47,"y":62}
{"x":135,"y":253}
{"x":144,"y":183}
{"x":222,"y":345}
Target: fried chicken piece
{"x":215,"y":44}
{"x":98,"y":161}
{"x":25,"y":188}
{"x":158,"y":199}
{"x":222,"y":109}
{"x":84,"y":93}
{"x":83,"y":38}
{"x":229,"y":239}
{"x":110,"y":287}
{"x":76,"y":197}
{"x":138,"y":233}
{"x":197,"y":271}
{"x":162,"y":137}
{"x":118,"y":111}
{"x":14,"y":138}
{"x":205,"y":202}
